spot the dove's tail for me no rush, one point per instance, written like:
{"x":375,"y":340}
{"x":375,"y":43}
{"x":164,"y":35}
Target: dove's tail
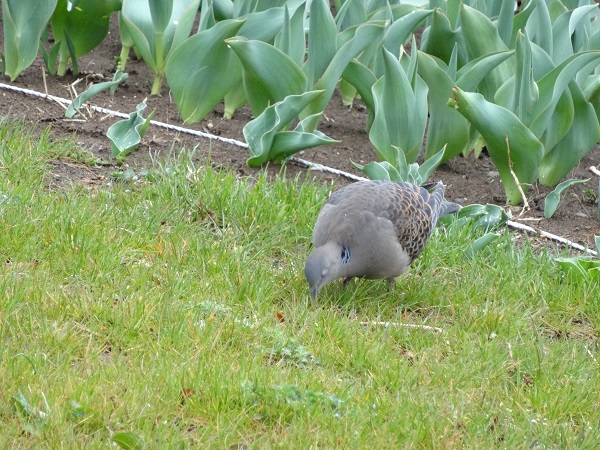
{"x":446,"y":208}
{"x":449,"y":208}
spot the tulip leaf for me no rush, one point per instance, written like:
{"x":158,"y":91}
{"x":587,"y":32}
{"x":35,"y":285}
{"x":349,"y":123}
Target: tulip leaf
{"x":552,"y":199}
{"x":582,"y":136}
{"x":481,"y":38}
{"x":481,"y":243}
{"x":504,"y":133}
{"x":129,"y":440}
{"x":580,"y":269}
{"x":261,"y":132}
{"x":485,"y":217}
{"x":24,"y":21}
{"x":552,"y":86}
{"x":93,"y":90}
{"x":401,"y":29}
{"x":126,"y":135}
{"x":322,"y":38}
{"x":82,"y":28}
{"x":203,"y":69}
{"x":446,"y":125}
{"x":400,"y":112}
{"x":365,"y":34}
{"x":154,"y":41}
{"x":269,"y":74}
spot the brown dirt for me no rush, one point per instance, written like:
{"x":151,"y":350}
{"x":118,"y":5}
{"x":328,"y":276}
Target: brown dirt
{"x":469,"y":180}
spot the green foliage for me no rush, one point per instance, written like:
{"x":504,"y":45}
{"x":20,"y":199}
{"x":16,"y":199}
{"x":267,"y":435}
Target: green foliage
{"x":400,"y":111}
{"x":156,"y":27}
{"x":519,"y":78}
{"x":126,"y":135}
{"x":268,"y":136}
{"x":481,"y":217}
{"x":203,"y":69}
{"x":78,"y":28}
{"x":93,"y":90}
{"x":513,"y":147}
{"x":401,"y":170}
{"x":172,"y":310}
{"x":24,"y":22}
{"x":552,"y":199}
{"x":129,"y":440}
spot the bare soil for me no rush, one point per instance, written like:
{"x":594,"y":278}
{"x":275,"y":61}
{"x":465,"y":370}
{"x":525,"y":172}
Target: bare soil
{"x":468,"y":180}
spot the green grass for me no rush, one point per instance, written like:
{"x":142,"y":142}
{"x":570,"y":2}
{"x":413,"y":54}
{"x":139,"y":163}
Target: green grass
{"x":174,"y":308}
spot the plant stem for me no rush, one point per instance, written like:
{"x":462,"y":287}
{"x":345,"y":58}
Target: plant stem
{"x":157,"y":84}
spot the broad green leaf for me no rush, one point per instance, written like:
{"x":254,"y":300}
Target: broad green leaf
{"x":470,"y":75}
{"x":402,"y":171}
{"x":400,"y":112}
{"x":269,"y":74}
{"x":486,"y":217}
{"x":526,"y":91}
{"x":580,"y":269}
{"x":481,"y":38}
{"x":380,"y":171}
{"x":429,"y":165}
{"x":85,"y":26}
{"x":207,"y":15}
{"x":520,"y":20}
{"x":160,"y":11}
{"x":364,"y":35}
{"x":129,"y":440}
{"x":126,"y":135}
{"x":579,"y":140}
{"x":401,"y":29}
{"x":552,"y":85}
{"x":362,"y":79}
{"x":564,"y":28}
{"x":287,"y":143}
{"x":262,"y":25}
{"x":539,"y":26}
{"x":322,"y":45}
{"x":93,"y":90}
{"x":552,"y":199}
{"x":439,"y":39}
{"x":481,"y":243}
{"x":260,"y":132}
{"x":446,"y":126}
{"x":234,"y":99}
{"x":503,"y":132}
{"x":291,"y":39}
{"x":505,"y":20}
{"x":222,"y":9}
{"x":154,"y":44}
{"x":23,"y":21}
{"x":351,"y":12}
{"x":202,"y":70}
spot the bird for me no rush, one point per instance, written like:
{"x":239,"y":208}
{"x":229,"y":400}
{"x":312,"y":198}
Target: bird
{"x":374,"y":230}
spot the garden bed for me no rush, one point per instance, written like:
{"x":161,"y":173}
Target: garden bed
{"x":469,"y":180}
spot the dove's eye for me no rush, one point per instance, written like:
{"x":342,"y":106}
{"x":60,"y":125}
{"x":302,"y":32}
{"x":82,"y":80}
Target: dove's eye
{"x":345,"y":255}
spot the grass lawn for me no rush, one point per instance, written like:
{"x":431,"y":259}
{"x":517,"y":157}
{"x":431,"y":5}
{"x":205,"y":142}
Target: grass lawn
{"x":170,"y":311}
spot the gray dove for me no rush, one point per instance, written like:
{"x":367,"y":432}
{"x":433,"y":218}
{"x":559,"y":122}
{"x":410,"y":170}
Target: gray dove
{"x":373,"y":229}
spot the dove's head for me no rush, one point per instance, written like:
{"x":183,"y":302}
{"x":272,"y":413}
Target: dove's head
{"x":325,"y":265}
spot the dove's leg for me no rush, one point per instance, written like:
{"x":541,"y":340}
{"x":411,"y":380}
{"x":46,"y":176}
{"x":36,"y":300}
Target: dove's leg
{"x":346,"y":281}
{"x":391,"y":282}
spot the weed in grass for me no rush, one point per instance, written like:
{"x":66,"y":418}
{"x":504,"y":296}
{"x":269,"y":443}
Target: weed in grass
{"x":171,"y":310}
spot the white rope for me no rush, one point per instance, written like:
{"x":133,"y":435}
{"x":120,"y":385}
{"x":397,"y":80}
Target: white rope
{"x":309,"y":164}
{"x":110,"y":112}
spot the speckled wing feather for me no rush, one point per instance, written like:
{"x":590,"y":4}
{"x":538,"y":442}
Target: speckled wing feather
{"x":412,"y":210}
